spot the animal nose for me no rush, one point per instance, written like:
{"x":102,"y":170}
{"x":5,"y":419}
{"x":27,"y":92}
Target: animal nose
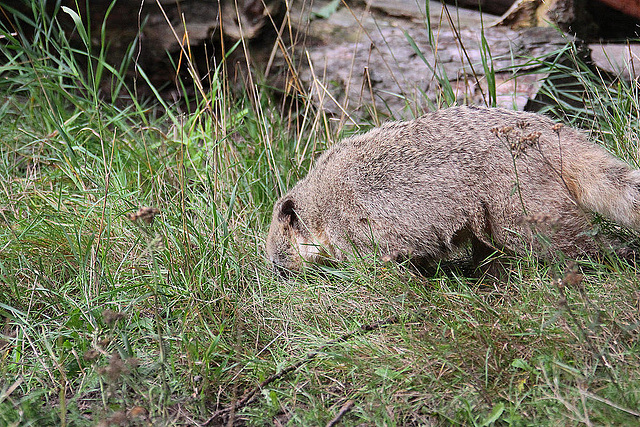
{"x":280,"y":270}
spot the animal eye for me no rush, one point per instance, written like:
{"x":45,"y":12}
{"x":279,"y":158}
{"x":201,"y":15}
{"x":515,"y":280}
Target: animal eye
{"x":287,"y":212}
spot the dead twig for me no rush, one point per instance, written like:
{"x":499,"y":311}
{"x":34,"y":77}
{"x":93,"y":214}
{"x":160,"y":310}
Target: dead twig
{"x":345,"y":408}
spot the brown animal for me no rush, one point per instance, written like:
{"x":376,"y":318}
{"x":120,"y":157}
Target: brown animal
{"x":420,"y":189}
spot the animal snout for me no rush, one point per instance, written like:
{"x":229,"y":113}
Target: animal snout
{"x":280,"y":270}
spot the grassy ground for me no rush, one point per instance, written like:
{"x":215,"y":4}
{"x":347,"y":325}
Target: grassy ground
{"x":111,"y":315}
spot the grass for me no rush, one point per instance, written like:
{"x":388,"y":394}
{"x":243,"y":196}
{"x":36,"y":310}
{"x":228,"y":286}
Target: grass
{"x":110,"y":315}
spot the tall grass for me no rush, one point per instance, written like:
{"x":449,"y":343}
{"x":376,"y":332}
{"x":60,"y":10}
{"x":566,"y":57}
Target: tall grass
{"x":112,"y":314}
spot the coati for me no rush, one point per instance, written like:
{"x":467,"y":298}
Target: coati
{"x":420,"y":189}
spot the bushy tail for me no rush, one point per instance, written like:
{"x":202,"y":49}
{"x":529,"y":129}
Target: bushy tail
{"x":606,"y":185}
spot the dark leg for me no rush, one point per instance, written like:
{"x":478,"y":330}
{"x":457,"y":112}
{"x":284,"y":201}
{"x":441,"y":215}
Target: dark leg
{"x":484,"y":260}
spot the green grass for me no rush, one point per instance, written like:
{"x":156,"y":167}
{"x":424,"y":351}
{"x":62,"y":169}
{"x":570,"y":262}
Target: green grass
{"x":108,"y":320}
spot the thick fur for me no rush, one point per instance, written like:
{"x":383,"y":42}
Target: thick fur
{"x":422,"y":188}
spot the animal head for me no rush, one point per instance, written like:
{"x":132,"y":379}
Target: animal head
{"x":290,"y":242}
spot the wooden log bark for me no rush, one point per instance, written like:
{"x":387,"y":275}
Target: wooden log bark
{"x":395,"y":67}
{"x":164,"y":29}
{"x":494,"y":7}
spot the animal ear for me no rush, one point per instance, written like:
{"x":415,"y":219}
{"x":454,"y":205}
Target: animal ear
{"x":287,"y":212}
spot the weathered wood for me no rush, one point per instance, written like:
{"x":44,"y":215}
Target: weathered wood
{"x":622,"y":60}
{"x":174,"y":29}
{"x":167,"y":31}
{"x":368,"y":55}
{"x":395,"y":67}
{"x":495,"y":7}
